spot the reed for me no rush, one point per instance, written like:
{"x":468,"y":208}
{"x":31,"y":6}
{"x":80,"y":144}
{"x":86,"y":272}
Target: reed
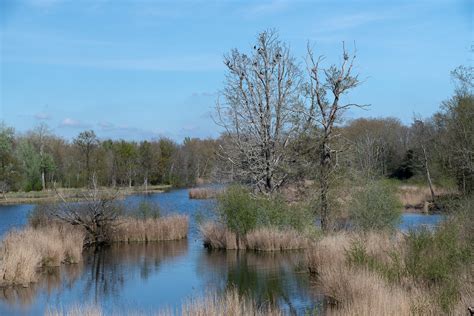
{"x":212,"y":304}
{"x":24,"y":252}
{"x":129,"y":229}
{"x":217,"y":236}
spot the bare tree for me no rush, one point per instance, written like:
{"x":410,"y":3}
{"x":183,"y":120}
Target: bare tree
{"x":422,"y":139}
{"x":260,"y":93}
{"x":97,"y":215}
{"x":324,"y":90}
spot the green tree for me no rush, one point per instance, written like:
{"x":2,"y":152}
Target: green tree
{"x":87,"y":142}
{"x":8,"y":162}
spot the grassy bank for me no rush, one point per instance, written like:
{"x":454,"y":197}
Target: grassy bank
{"x":419,"y":273}
{"x":71,"y":194}
{"x":212,"y":304}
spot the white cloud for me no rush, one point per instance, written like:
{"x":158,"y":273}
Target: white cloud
{"x":42,"y":116}
{"x":69,"y":122}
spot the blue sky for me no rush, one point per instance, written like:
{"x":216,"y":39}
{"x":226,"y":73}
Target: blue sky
{"x":144,"y":69}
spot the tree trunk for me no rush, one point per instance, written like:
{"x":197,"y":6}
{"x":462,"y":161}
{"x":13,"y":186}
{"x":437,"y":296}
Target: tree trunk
{"x":43,"y":181}
{"x":428,"y":176}
{"x":145,"y":181}
{"x":324,"y":184}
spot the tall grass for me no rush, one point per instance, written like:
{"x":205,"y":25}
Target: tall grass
{"x":212,"y":304}
{"x":217,"y":236}
{"x":422,"y":272}
{"x":129,"y":229}
{"x":24,"y":252}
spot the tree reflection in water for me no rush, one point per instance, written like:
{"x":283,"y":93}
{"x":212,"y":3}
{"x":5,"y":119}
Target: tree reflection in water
{"x":268,"y":277}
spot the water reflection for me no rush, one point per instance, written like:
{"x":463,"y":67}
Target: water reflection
{"x":101,"y":275}
{"x":268,"y":277}
{"x":109,"y":269}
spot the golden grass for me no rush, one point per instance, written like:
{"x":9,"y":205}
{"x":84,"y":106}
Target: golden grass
{"x":213,"y":304}
{"x":417,"y":197}
{"x":24,"y":252}
{"x":130,"y":229}
{"x":216,"y":236}
{"x":203,"y":193}
{"x":358,"y":291}
{"x":75,"y":310}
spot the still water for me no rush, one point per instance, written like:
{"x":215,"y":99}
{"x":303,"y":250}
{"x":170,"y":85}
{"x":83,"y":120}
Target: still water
{"x":147,"y":277}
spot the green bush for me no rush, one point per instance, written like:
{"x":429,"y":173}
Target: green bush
{"x":242,"y":211}
{"x":146,"y":210}
{"x":238,"y":209}
{"x":376,"y":207}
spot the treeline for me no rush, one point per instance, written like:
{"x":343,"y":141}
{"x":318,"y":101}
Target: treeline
{"x":38,"y":160}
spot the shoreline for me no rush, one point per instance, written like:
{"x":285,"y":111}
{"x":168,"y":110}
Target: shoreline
{"x":73,"y":194}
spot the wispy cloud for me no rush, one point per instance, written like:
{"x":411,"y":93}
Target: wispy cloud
{"x":42,"y":116}
{"x":72,"y":123}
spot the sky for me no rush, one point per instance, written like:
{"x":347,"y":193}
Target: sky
{"x":146,"y":69}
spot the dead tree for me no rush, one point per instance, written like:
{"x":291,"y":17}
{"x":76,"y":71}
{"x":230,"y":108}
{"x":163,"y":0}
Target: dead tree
{"x":261,"y":91}
{"x":325,"y":107}
{"x":97,"y":214}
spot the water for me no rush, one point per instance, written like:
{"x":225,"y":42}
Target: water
{"x":146,"y":277}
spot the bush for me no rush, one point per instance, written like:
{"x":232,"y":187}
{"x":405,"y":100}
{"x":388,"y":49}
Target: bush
{"x":146,"y":210}
{"x":238,"y":209}
{"x":242,"y":212}
{"x":376,"y":207}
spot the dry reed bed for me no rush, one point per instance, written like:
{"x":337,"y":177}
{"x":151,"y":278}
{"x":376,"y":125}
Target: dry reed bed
{"x":130,"y":229}
{"x":358,"y":291}
{"x":417,"y":197}
{"x":203,"y":193}
{"x":217,"y":236}
{"x":212,"y":304}
{"x":24,"y":252}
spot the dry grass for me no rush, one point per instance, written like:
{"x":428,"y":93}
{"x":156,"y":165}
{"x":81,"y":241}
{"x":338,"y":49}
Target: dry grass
{"x":24,"y":252}
{"x":230,"y":303}
{"x":130,"y":229}
{"x":417,"y":197}
{"x":358,"y":291}
{"x":203,"y":193}
{"x":271,"y":239}
{"x":76,"y":310}
{"x":216,"y":236}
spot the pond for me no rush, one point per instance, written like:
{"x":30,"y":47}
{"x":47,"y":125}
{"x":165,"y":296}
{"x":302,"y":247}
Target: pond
{"x":146,"y":277}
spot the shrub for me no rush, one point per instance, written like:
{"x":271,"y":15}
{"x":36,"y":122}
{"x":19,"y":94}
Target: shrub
{"x":376,"y":207}
{"x":242,"y":212}
{"x":238,"y":210}
{"x":146,"y":210}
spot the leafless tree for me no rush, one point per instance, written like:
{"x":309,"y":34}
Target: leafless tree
{"x":325,"y":107}
{"x":97,"y":215}
{"x":261,"y":91}
{"x":422,"y":138}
